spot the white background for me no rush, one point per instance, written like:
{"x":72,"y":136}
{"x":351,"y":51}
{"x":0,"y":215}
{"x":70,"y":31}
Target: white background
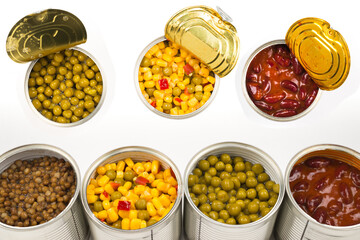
{"x":117,"y":33}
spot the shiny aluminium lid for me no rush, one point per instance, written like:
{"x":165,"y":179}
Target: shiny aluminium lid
{"x":321,"y":50}
{"x":207,"y":35}
{"x":43,"y":33}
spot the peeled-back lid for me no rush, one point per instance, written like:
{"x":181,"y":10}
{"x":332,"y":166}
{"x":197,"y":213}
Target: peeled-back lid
{"x":203,"y":32}
{"x":43,"y":33}
{"x":321,"y":50}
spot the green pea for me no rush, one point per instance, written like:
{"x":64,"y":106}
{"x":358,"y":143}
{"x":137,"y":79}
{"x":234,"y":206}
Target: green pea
{"x":263,"y":177}
{"x":263,"y":194}
{"x":129,"y":175}
{"x":241,"y":176}
{"x":204,"y":165}
{"x":244,"y":219}
{"x":143,"y":215}
{"x":214,"y":215}
{"x":253,"y":207}
{"x":251,"y":193}
{"x":237,"y":159}
{"x":192,"y":180}
{"x":120,"y":181}
{"x":205,"y":207}
{"x":227,"y":184}
{"x":220,"y":166}
{"x":222,"y":196}
{"x":117,"y":224}
{"x":239,"y":167}
{"x":265,"y":211}
{"x":225,"y":158}
{"x":223,"y":175}
{"x":248,"y":166}
{"x":215,"y":181}
{"x":145,"y":62}
{"x":111,"y":174}
{"x":212,"y":171}
{"x":272,"y":201}
{"x":241,"y":193}
{"x":151,"y":222}
{"x":197,"y":189}
{"x":140,"y":204}
{"x":257,"y":168}
{"x":115,"y":195}
{"x":197,"y":172}
{"x":228,"y":168}
{"x":212,"y":160}
{"x":217,"y":205}
{"x":234,"y":209}
{"x":176,"y":91}
{"x":211,"y":197}
{"x":98,"y":206}
{"x":231,"y":221}
{"x":202,"y":198}
{"x":251,"y":182}
{"x":223,"y":214}
{"x":276,"y":188}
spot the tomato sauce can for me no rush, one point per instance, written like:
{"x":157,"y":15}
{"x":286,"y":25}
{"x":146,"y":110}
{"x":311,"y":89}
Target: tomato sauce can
{"x":169,"y":227}
{"x":293,"y":222}
{"x":70,"y":223}
{"x":199,"y":226}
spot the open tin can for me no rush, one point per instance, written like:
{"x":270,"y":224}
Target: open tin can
{"x":293,"y":222}
{"x":203,"y":33}
{"x":64,"y":84}
{"x":199,"y":226}
{"x":285,"y":86}
{"x":169,"y":227}
{"x":70,"y":223}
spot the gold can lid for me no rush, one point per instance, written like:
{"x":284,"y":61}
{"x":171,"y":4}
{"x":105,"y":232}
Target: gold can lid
{"x":203,"y":32}
{"x":40,"y":34}
{"x":321,"y":50}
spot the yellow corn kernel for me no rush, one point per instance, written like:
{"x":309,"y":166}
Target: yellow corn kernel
{"x":128,"y":168}
{"x":108,"y":188}
{"x":159,"y":102}
{"x":181,"y":85}
{"x":196,"y":68}
{"x":192,"y":102}
{"x":181,"y":112}
{"x":165,"y":201}
{"x":192,"y":62}
{"x":96,"y":214}
{"x":120,"y":166}
{"x":173,"y":197}
{"x":151,"y":209}
{"x":208,"y":88}
{"x":156,"y":182}
{"x":112,"y":214}
{"x":127,"y":185}
{"x":174,"y":111}
{"x":93,"y":182}
{"x":90,"y":192}
{"x":155,"y":166}
{"x":178,"y":59}
{"x":139,"y":189}
{"x":102,"y":214}
{"x":184,"y":97}
{"x":151,"y":177}
{"x":103,"y":180}
{"x":144,"y":174}
{"x":204,"y":72}
{"x":141,"y":85}
{"x":123,"y":213}
{"x":159,"y":175}
{"x":161,"y":63}
{"x":181,"y":72}
{"x":90,"y":187}
{"x":186,"y":81}
{"x":135,"y":224}
{"x":123,"y":190}
{"x":161,"y":45}
{"x":183,"y":53}
{"x":158,"y":94}
{"x":131,"y":196}
{"x":106,"y":204}
{"x":148,"y":55}
{"x":161,"y":211}
{"x":188,"y":58}
{"x":202,"y":102}
{"x":133,"y":214}
{"x":129,"y":162}
{"x":168,"y":99}
{"x":211,"y":79}
{"x":91,"y":198}
{"x":167,"y":57}
{"x":174,"y":76}
{"x":163,"y":186}
{"x":99,"y":190}
{"x":157,"y":203}
{"x":148,"y":76}
{"x":156,"y":77}
{"x":103,"y":197}
{"x":119,"y":174}
{"x":125,"y":224}
{"x":198,"y":88}
{"x":154,"y":192}
{"x":146,"y":195}
{"x":147,"y":166}
{"x":108,"y":166}
{"x":184,"y":106}
{"x":115,"y":203}
{"x":158,"y":54}
{"x":206,"y":95}
{"x":153,"y":61}
{"x":159,"y":108}
{"x":144,"y":69}
{"x":149,"y":84}
{"x":154,"y":49}
{"x":143,"y":224}
{"x":101,"y":170}
{"x":138,"y":168}
{"x":172,"y":191}
{"x":113,"y":166}
{"x":140,"y":78}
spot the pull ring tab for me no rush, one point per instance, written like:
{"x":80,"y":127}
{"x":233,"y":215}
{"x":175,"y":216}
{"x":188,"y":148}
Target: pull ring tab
{"x":223,"y":14}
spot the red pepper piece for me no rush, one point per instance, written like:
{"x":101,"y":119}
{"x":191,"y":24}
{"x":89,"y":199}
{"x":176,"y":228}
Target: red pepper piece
{"x":106,"y":194}
{"x":114,"y":185}
{"x":103,"y":219}
{"x":124,"y":205}
{"x":172,"y":173}
{"x":176,"y":187}
{"x":141,"y":181}
{"x":153,"y":104}
{"x":163,"y":83}
{"x":188,"y":69}
{"x":186,"y":91}
{"x":178,"y":99}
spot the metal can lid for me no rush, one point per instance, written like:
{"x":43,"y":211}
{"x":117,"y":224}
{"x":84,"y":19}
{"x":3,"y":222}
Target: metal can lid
{"x":203,"y":32}
{"x":321,"y":50}
{"x":43,"y":33}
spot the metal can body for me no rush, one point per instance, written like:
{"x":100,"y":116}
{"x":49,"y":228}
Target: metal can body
{"x":293,"y":222}
{"x":198,"y":226}
{"x":70,"y":223}
{"x":167,"y":228}
{"x":246,"y":94}
{"x":137,"y":86}
{"x":97,"y":108}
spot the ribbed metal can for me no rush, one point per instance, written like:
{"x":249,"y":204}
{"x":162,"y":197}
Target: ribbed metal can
{"x":293,"y":222}
{"x":252,"y":104}
{"x":70,"y":223}
{"x":167,"y":228}
{"x":198,"y":226}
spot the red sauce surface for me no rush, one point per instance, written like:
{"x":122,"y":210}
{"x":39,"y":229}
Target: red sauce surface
{"x":328,"y":190}
{"x":277,"y":83}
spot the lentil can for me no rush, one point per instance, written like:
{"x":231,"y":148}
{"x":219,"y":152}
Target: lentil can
{"x":168,"y":227}
{"x":293,"y":222}
{"x":70,"y":223}
{"x":198,"y":226}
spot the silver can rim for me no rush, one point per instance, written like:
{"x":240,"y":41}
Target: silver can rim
{"x":192,"y":163}
{"x":91,"y":115}
{"x":137,"y":86}
{"x":251,"y":103}
{"x":114,"y":152}
{"x":67,"y":157}
{"x":287,"y":184}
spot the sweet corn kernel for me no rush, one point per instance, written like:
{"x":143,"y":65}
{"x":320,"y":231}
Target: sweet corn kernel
{"x":208,"y":88}
{"x":172,"y":191}
{"x":151,"y":177}
{"x":115,"y":203}
{"x":156,"y":182}
{"x":104,"y":197}
{"x":204,"y":72}
{"x":158,"y":94}
{"x":198,"y":88}
{"x":142,"y":87}
{"x":155,"y":192}
{"x":125,"y":224}
{"x":108,"y":188}
{"x":127,"y":185}
{"x":120,"y":166}
{"x":139,"y":189}
{"x":184,"y":97}
{"x":168,"y":99}
{"x":94,"y":182}
{"x":144,"y":69}
{"x":192,"y":102}
{"x":112,"y":214}
{"x":102,"y":214}
{"x":151,"y":209}
{"x":103,"y":180}
{"x":161,"y":211}
{"x":164,"y":187}
{"x":143,"y":224}
{"x":156,"y":77}
{"x":123,"y":190}
{"x":106,"y":204}
{"x":149,"y":84}
{"x":161,"y":63}
{"x":161,"y":45}
{"x":101,"y":170}
{"x":174,"y":111}
{"x":183,"y":53}
{"x":159,"y":102}
{"x":165,"y":201}
{"x":167,"y":57}
{"x":99,"y":190}
{"x":133,"y":214}
{"x":91,"y":198}
{"x":158,"y":54}
{"x":181,"y":85}
{"x":155,"y":166}
{"x":146,"y":195}
{"x":154,"y":49}
{"x":160,"y":175}
{"x":147,"y":166}
{"x":211,"y":79}
{"x":129,"y":162}
{"x":138,"y":168}
{"x":119,"y":174}
{"x":159,"y":108}
{"x":196,"y":68}
{"x":181,"y":72}
{"x":135,"y":224}
{"x":157,"y":203}
{"x":178,"y":59}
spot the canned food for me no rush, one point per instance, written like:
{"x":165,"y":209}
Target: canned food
{"x":70,"y":223}
{"x":169,"y":227}
{"x":293,"y":93}
{"x":180,"y":80}
{"x":67,"y":98}
{"x":294,"y":222}
{"x":200,"y":226}
{"x":281,"y":81}
{"x":63,"y":84}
